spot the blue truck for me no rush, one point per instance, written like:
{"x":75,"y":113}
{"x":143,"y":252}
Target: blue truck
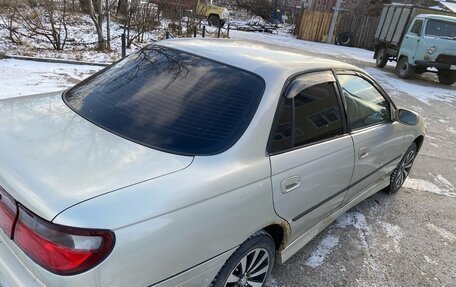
{"x":419,"y":40}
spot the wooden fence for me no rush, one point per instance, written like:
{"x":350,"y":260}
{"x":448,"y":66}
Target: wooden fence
{"x":314,"y":26}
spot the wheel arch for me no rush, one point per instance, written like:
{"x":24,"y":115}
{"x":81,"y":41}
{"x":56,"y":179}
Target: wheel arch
{"x":419,"y":142}
{"x":280,"y":233}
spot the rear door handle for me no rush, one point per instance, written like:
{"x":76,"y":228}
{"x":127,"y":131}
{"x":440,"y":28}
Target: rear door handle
{"x":363,"y":152}
{"x":290,"y":184}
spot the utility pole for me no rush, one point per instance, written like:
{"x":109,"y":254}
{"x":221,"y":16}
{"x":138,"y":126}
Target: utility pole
{"x":334,"y":21}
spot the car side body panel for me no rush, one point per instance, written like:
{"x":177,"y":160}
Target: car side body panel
{"x":324,"y":172}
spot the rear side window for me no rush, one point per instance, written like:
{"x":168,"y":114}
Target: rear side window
{"x":170,"y":100}
{"x":309,"y":113}
{"x":317,"y":114}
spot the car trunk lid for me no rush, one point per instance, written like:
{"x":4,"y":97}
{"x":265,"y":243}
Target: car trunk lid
{"x":51,"y":158}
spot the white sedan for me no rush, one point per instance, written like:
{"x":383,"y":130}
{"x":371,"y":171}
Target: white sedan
{"x":191,"y":163}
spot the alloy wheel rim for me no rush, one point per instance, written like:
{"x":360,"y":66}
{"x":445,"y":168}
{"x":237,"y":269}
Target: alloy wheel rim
{"x":251,"y":271}
{"x":404,"y":169}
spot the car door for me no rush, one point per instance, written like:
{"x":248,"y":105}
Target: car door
{"x":311,"y":152}
{"x":411,"y":40}
{"x":378,"y":141}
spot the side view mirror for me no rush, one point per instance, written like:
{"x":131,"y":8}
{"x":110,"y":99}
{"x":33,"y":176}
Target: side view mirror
{"x":407,"y":117}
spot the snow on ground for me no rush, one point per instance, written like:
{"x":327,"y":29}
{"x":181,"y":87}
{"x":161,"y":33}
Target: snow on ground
{"x":426,"y":94}
{"x":324,"y":249}
{"x":283,"y":39}
{"x":427,"y":186}
{"x":20,"y":77}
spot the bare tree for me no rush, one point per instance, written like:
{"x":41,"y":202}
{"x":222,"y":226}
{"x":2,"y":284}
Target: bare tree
{"x":8,"y":21}
{"x":140,"y":19}
{"x":96,"y":14}
{"x":45,"y":18}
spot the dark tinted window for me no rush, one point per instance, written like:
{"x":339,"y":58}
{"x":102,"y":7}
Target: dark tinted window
{"x":316,"y":117}
{"x":317,"y":114}
{"x":416,"y":28}
{"x":281,"y":138}
{"x":170,"y":100}
{"x":442,"y":29}
{"x":365,"y":105}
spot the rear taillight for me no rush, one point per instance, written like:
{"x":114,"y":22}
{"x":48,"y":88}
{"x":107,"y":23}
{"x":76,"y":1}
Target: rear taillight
{"x":8,"y":211}
{"x":60,"y":249}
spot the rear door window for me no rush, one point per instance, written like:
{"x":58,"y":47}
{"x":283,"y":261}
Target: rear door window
{"x":309,"y":113}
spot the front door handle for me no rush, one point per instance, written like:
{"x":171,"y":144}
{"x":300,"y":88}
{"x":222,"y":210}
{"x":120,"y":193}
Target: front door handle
{"x":363,"y":152}
{"x":290,"y":184}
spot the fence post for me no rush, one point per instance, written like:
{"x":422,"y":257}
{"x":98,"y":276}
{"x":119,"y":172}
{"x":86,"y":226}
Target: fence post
{"x":167,"y":34}
{"x":219,"y":30}
{"x":228,"y":31}
{"x":124,"y":49}
{"x":204,"y":31}
{"x":195,"y":31}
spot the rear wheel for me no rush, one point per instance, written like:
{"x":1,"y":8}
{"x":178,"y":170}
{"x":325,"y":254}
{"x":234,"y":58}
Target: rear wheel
{"x":403,"y":69}
{"x":447,"y":77}
{"x":250,"y":265}
{"x":403,"y":169}
{"x":213,"y":20}
{"x":382,"y":58}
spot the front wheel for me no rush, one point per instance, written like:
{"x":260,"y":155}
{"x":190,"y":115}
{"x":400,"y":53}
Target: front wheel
{"x":403,"y":169}
{"x":447,"y":77}
{"x":403,"y":68}
{"x":250,"y":265}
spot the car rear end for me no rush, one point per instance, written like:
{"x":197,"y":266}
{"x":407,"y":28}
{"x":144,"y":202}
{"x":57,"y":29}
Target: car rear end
{"x":31,"y":245}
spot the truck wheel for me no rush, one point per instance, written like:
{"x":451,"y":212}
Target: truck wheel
{"x":403,"y":69}
{"x":447,"y":77}
{"x":382,"y":58}
{"x":213,"y":20}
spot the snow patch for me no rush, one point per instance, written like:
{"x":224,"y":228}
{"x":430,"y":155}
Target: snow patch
{"x":393,"y":232}
{"x":21,"y":77}
{"x":445,"y":234}
{"x":324,"y":249}
{"x":425,"y":94}
{"x":357,"y":220}
{"x":427,"y":186}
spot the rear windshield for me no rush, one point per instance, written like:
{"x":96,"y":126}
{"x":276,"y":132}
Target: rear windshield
{"x":170,"y":100}
{"x":441,"y":29}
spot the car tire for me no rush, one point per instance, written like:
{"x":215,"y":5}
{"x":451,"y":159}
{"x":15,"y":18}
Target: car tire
{"x":382,"y":58}
{"x":403,"y":68}
{"x":345,"y":39}
{"x":251,"y":263}
{"x":213,"y":20}
{"x":403,"y":169}
{"x":447,"y":77}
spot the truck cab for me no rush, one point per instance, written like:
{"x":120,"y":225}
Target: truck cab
{"x":216,"y":15}
{"x":430,"y":42}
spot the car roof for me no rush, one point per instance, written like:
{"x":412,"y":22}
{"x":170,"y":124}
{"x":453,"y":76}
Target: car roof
{"x":438,"y":17}
{"x":263,"y":59}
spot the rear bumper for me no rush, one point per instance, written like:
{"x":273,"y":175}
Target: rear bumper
{"x":433,"y":64}
{"x":12,"y":272}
